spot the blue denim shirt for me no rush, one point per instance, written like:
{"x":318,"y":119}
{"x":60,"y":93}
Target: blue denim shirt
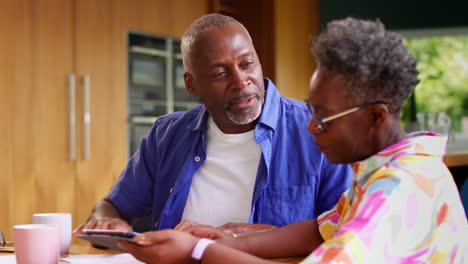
{"x":294,"y":180}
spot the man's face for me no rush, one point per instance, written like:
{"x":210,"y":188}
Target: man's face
{"x":343,"y":139}
{"x":227,"y":77}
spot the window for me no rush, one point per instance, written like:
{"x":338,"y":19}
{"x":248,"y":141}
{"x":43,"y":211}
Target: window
{"x":443,"y":67}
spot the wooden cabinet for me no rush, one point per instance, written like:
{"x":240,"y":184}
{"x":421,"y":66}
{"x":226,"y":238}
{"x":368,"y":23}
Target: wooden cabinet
{"x":99,"y":57}
{"x":295,"y":23}
{"x":43,"y":42}
{"x":37,"y":48}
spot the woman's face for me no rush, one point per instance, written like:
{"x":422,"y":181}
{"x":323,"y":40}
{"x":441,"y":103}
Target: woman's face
{"x":344,"y":139}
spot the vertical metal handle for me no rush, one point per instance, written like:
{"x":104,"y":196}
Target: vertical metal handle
{"x":72,"y":103}
{"x":86,"y":118}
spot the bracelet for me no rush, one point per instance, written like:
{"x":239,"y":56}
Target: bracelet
{"x":199,"y":249}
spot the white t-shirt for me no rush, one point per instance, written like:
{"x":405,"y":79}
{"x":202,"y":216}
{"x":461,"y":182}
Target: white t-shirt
{"x":222,"y":189}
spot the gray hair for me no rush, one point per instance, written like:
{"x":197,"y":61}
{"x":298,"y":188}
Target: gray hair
{"x":376,"y":63}
{"x":201,"y":25}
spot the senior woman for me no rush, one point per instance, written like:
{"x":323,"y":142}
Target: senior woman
{"x":403,"y":206}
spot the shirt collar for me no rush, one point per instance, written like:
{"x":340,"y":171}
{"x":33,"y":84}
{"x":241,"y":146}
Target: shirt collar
{"x":271,"y":107}
{"x":268,"y":117}
{"x":199,"y":121}
{"x":418,"y":143}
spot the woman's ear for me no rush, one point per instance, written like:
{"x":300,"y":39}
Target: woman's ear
{"x":379,"y":113}
{"x":189,"y":85}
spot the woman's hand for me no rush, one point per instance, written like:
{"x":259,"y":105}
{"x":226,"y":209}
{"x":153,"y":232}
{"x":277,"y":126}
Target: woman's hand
{"x":162,"y":247}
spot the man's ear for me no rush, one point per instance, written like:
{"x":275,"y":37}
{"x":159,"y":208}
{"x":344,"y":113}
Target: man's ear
{"x":189,"y":84}
{"x":379,"y":113}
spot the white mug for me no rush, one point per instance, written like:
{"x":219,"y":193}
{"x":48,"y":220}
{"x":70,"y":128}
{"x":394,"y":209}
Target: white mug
{"x":64,"y":222}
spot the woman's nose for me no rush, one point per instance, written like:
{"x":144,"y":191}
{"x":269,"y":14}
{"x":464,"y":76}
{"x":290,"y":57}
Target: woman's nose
{"x":313,"y":127}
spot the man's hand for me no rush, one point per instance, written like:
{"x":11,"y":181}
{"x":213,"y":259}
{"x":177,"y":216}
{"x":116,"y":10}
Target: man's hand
{"x":201,"y":231}
{"x":162,"y":247}
{"x":185,"y":224}
{"x":104,"y":223}
{"x":106,"y":215}
{"x":205,"y":231}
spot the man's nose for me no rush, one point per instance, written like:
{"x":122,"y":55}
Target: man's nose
{"x":240,"y":79}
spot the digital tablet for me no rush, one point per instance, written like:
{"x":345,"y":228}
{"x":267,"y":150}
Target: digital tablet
{"x":107,"y":238}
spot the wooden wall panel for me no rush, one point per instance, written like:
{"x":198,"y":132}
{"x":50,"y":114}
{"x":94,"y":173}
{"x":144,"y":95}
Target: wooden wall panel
{"x":161,"y":17}
{"x":183,"y":13}
{"x":97,"y":58}
{"x":295,"y":22}
{"x":38,"y":59}
{"x":146,"y":16}
{"x":6,"y":115}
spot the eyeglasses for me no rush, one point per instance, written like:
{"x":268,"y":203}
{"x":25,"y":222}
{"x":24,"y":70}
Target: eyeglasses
{"x":321,"y":121}
{"x":2,"y":239}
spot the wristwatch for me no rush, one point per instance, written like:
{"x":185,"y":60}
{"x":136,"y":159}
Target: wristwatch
{"x":199,"y":249}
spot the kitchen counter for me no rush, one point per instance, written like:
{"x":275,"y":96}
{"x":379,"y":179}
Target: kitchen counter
{"x":457,"y":151}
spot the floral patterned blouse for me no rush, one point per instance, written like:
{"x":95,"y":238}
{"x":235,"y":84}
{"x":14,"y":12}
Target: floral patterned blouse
{"x":403,"y":207}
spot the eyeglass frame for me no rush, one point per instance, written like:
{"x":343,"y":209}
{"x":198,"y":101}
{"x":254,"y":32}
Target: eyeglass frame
{"x":2,"y":239}
{"x":321,"y":121}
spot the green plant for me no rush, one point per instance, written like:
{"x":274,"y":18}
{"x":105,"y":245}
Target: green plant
{"x":443,"y":67}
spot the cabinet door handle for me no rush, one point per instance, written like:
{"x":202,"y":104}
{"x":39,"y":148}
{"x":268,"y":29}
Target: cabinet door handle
{"x":72,"y":104}
{"x":86,"y":117}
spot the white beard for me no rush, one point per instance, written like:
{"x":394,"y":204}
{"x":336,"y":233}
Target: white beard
{"x":247,"y":116}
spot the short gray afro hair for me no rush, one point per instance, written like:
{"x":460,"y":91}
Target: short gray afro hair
{"x":376,"y":63}
{"x":201,"y":25}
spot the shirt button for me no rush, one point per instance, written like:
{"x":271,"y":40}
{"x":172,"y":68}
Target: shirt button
{"x":171,"y":190}
{"x":156,"y":224}
{"x":197,"y":159}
